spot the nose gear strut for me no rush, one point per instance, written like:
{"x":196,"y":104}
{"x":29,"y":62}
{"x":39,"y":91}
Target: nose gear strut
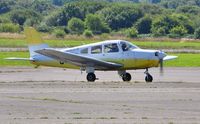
{"x":148,"y":77}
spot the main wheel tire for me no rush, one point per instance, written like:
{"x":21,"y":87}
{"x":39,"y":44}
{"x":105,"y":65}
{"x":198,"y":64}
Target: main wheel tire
{"x":91,"y":77}
{"x":126,"y":77}
{"x":148,"y":78}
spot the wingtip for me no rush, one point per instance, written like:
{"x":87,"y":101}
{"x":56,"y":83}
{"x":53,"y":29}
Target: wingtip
{"x":15,"y":58}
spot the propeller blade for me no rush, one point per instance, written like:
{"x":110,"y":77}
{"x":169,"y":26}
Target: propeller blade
{"x":161,"y":67}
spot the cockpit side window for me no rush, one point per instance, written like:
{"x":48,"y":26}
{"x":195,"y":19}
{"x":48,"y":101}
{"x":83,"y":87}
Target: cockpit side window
{"x":96,"y":49}
{"x":84,"y":51}
{"x":127,"y":46}
{"x":124,"y":46}
{"x":110,"y":48}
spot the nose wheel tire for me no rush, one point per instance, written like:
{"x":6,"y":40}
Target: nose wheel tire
{"x":91,"y":77}
{"x":126,"y":77}
{"x":148,"y":78}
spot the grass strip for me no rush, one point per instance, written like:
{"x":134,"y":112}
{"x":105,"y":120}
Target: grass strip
{"x":184,"y":60}
{"x":4,"y":62}
{"x":6,"y":42}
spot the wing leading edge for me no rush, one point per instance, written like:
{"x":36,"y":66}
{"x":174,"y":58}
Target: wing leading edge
{"x":78,"y":60}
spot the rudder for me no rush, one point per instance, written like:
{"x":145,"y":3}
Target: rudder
{"x":34,"y":40}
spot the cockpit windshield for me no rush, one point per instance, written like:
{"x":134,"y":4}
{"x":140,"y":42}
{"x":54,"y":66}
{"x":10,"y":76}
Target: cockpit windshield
{"x":126,"y":46}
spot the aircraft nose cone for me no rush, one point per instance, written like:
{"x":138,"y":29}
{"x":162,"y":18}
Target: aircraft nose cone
{"x":160,"y":54}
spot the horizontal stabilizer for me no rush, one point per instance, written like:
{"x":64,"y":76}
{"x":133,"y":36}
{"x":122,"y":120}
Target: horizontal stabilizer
{"x":170,"y":58}
{"x":20,"y":59}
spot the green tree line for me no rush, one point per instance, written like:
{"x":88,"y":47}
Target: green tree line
{"x":131,"y":18}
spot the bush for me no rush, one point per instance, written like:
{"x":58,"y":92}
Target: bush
{"x":4,"y":20}
{"x":94,"y":23}
{"x":104,"y":36}
{"x":159,"y":32}
{"x":119,"y":16}
{"x":105,"y":28}
{"x":143,"y":25}
{"x":162,"y":25}
{"x":31,"y":22}
{"x":178,"y":31}
{"x":197,"y":33}
{"x":189,"y":36}
{"x":76,"y":26}
{"x":43,"y":28}
{"x":144,"y":35}
{"x":88,"y":33}
{"x":173,"y":35}
{"x":20,"y":16}
{"x":59,"y":33}
{"x":9,"y":27}
{"x":67,"y":31}
{"x":132,"y":32}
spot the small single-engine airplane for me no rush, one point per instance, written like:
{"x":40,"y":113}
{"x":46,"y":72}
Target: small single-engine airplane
{"x":108,"y":55}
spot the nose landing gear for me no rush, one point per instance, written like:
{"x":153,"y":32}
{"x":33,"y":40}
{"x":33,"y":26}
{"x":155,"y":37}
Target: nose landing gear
{"x":148,"y":77}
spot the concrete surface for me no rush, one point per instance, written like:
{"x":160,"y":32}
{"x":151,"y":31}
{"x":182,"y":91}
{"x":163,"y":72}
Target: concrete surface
{"x":58,"y":96}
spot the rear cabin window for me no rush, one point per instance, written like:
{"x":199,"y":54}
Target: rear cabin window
{"x":84,"y":51}
{"x":111,"y":48}
{"x":96,"y":49}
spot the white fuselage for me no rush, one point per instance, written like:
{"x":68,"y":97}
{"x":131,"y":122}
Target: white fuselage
{"x":131,"y":58}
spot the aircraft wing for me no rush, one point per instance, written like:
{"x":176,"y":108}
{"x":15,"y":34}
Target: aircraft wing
{"x":15,"y":58}
{"x":169,"y":58}
{"x":78,"y":60}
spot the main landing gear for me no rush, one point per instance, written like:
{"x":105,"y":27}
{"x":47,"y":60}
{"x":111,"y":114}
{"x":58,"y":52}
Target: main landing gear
{"x":124,"y":75}
{"x":148,"y":77}
{"x":91,"y":77}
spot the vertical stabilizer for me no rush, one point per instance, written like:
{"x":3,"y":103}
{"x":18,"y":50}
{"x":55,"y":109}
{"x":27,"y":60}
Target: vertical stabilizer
{"x":35,"y":43}
{"x":34,"y":40}
{"x":32,"y":36}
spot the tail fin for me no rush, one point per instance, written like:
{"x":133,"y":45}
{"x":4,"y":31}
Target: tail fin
{"x":34,"y":40}
{"x":35,"y":43}
{"x":32,"y":36}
